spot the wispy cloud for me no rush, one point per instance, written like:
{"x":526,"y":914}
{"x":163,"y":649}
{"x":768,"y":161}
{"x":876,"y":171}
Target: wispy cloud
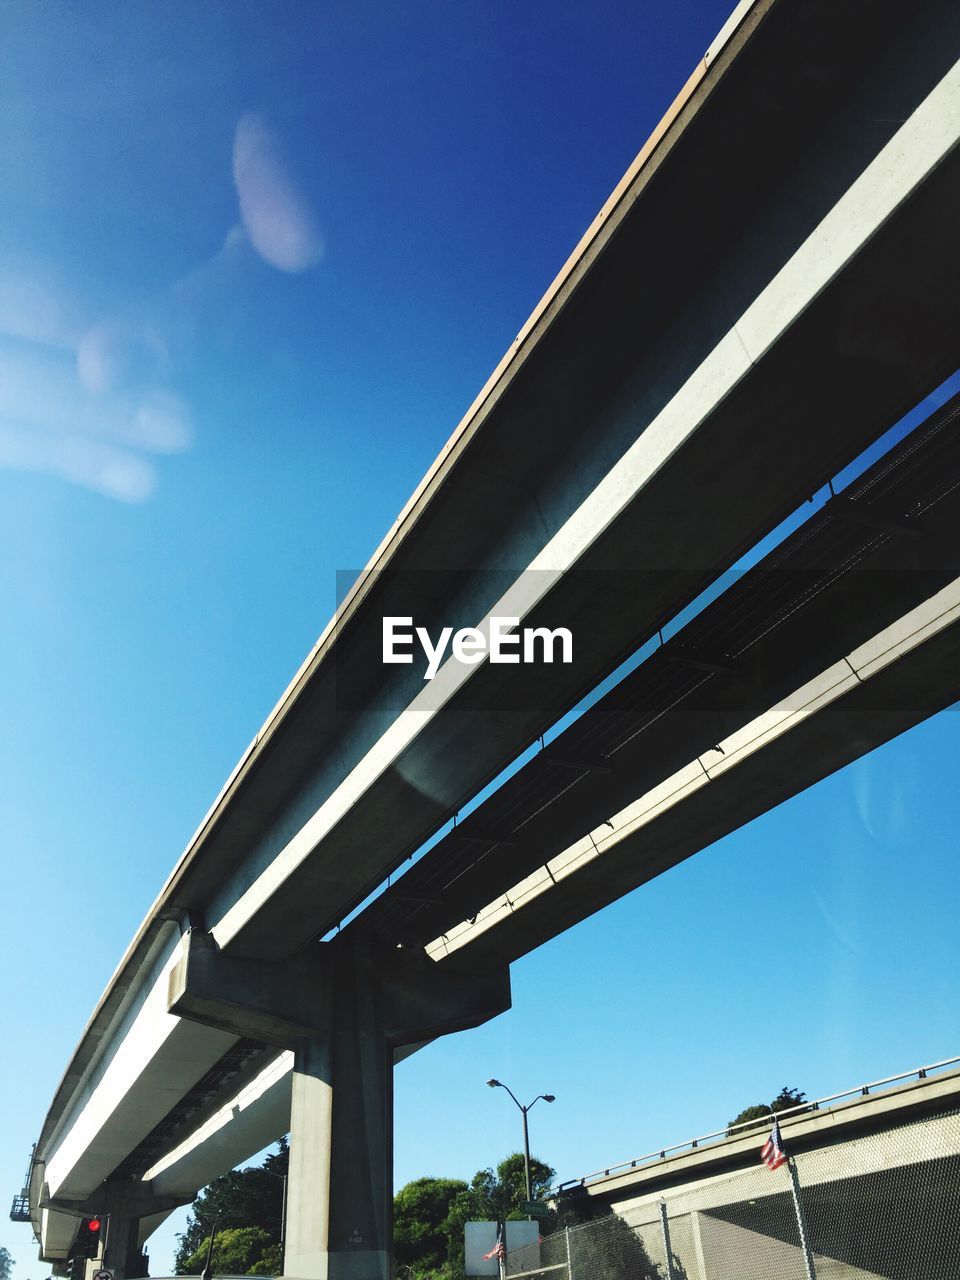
{"x":71,"y":413}
{"x":117,"y":473}
{"x":277,"y":218}
{"x":884,"y":799}
{"x":32,"y":309}
{"x":90,"y":399}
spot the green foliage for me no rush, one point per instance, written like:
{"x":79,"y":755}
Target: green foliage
{"x":759,"y":1112}
{"x":236,"y":1251}
{"x":788,"y":1098}
{"x":762,"y":1111}
{"x":6,"y":1263}
{"x":244,"y":1198}
{"x":269,"y":1264}
{"x":429,"y":1242}
{"x":499,"y":1195}
{"x":421,"y":1230}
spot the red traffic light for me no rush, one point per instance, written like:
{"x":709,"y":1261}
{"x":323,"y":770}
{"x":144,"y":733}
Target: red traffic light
{"x":88,"y":1238}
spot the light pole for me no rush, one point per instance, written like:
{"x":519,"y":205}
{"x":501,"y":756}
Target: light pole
{"x":547,"y":1097}
{"x":283,"y":1215}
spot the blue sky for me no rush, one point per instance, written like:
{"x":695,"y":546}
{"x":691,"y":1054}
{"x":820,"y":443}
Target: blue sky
{"x":210,"y":403}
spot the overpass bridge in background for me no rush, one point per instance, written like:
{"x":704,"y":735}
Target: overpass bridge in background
{"x":878,"y":1177}
{"x":680,"y":390}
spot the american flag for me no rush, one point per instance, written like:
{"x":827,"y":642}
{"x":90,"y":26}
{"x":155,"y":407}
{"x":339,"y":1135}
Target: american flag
{"x":498,"y":1251}
{"x":773,"y":1154}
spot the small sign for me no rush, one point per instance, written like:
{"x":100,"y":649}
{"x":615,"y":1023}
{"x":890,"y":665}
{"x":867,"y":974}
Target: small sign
{"x":521,"y":1234}
{"x":103,"y":1274}
{"x":480,"y":1238}
{"x":535,"y":1208}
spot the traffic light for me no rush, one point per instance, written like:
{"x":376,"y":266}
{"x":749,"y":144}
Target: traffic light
{"x":88,"y":1238}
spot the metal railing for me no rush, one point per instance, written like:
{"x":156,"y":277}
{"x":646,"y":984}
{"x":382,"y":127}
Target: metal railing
{"x":20,"y":1210}
{"x":692,"y":1144}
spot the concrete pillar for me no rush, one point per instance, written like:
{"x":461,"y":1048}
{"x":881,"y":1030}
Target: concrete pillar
{"x":702,"y":1273}
{"x":124,"y":1205}
{"x":343,"y":1010}
{"x":341,"y":1134}
{"x":311,"y":1161}
{"x":121,"y":1251}
{"x":121,"y":1206}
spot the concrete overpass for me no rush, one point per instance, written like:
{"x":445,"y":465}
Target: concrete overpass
{"x":878,"y":1170}
{"x":843,"y":636}
{"x":652,"y":370}
{"x":825,"y":648}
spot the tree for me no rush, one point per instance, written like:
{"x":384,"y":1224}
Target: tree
{"x":761,"y":1111}
{"x":788,"y":1098}
{"x":499,"y":1195}
{"x":236,"y":1252}
{"x":243,"y":1198}
{"x":430,"y":1213}
{"x":492,"y":1196}
{"x":270,"y":1264}
{"x":6,"y":1263}
{"x":420,"y":1224}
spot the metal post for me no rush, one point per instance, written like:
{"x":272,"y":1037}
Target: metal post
{"x":566,"y":1232}
{"x":283,"y":1213}
{"x":801,"y":1223}
{"x":283,"y":1224}
{"x":526,"y":1156}
{"x":547,"y":1097}
{"x":665,"y":1225}
{"x":207,"y":1272}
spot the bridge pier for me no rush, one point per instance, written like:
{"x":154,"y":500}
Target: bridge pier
{"x":344,"y":1010}
{"x":121,"y":1205}
{"x":341,"y":1139}
{"x":121,"y":1251}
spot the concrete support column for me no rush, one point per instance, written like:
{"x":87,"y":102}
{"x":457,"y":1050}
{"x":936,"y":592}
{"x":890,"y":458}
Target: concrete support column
{"x":125,"y":1204}
{"x":341,"y":1137}
{"x":121,"y":1252}
{"x":344,"y":1010}
{"x":702,"y":1273}
{"x":311,"y":1161}
{"x":121,"y":1206}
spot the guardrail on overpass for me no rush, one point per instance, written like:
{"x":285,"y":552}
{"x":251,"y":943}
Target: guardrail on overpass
{"x":949,"y":1085}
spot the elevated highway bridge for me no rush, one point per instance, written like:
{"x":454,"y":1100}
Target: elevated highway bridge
{"x":770,"y":287}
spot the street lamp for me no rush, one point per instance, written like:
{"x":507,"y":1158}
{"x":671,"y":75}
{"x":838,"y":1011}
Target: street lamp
{"x":283,"y":1215}
{"x":547,"y":1097}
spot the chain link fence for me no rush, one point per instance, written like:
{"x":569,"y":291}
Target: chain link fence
{"x":880,"y":1207}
